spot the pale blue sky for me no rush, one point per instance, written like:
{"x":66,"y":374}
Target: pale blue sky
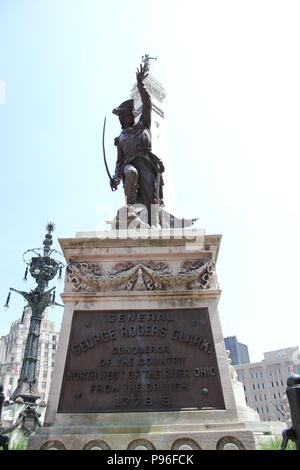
{"x":231,"y":71}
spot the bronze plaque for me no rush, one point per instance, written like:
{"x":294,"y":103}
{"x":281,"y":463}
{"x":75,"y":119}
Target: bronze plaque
{"x":141,"y":360}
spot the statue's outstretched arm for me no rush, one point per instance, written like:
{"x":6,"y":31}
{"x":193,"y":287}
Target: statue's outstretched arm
{"x":145,"y":96}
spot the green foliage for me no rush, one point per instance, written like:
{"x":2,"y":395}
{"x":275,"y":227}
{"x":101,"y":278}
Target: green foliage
{"x":18,"y":444}
{"x":21,"y":444}
{"x":274,"y":443}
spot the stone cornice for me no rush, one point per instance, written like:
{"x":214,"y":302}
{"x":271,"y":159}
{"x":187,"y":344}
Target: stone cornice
{"x":153,"y":86}
{"x":90,"y":297}
{"x":102,"y":245}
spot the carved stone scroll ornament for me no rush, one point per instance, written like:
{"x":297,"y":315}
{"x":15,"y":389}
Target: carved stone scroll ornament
{"x":141,"y":276}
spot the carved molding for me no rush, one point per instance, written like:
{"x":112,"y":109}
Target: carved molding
{"x":142,"y":276}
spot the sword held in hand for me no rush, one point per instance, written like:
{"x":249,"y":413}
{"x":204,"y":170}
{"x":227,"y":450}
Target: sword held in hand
{"x":112,"y":181}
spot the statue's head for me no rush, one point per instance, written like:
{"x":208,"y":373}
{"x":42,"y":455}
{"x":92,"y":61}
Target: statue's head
{"x":126,"y":113}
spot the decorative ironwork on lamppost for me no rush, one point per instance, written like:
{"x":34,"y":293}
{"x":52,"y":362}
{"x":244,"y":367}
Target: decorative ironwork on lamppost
{"x":43,"y":268}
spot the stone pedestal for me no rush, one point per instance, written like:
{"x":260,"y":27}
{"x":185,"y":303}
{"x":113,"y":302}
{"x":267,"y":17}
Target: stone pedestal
{"x":141,"y":361}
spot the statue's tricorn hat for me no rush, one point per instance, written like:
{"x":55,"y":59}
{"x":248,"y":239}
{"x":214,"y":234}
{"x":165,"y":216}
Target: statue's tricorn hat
{"x":125,"y":107}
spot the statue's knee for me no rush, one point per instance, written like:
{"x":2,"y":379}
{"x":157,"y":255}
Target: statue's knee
{"x":132,"y":174}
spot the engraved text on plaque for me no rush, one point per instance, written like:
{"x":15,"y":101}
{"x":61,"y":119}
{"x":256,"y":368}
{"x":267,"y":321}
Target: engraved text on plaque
{"x":141,"y":360}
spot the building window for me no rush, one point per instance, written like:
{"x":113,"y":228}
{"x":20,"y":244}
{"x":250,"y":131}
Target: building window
{"x":44,"y":384}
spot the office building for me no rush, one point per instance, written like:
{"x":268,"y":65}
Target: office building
{"x":265,"y":382}
{"x":12,"y":348}
{"x":238,"y":352}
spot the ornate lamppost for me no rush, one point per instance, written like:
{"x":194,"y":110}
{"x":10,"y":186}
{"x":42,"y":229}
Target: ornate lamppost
{"x":43,"y":268}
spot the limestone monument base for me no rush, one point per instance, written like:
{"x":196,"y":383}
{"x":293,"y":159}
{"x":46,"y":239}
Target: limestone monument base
{"x":141,"y":361}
